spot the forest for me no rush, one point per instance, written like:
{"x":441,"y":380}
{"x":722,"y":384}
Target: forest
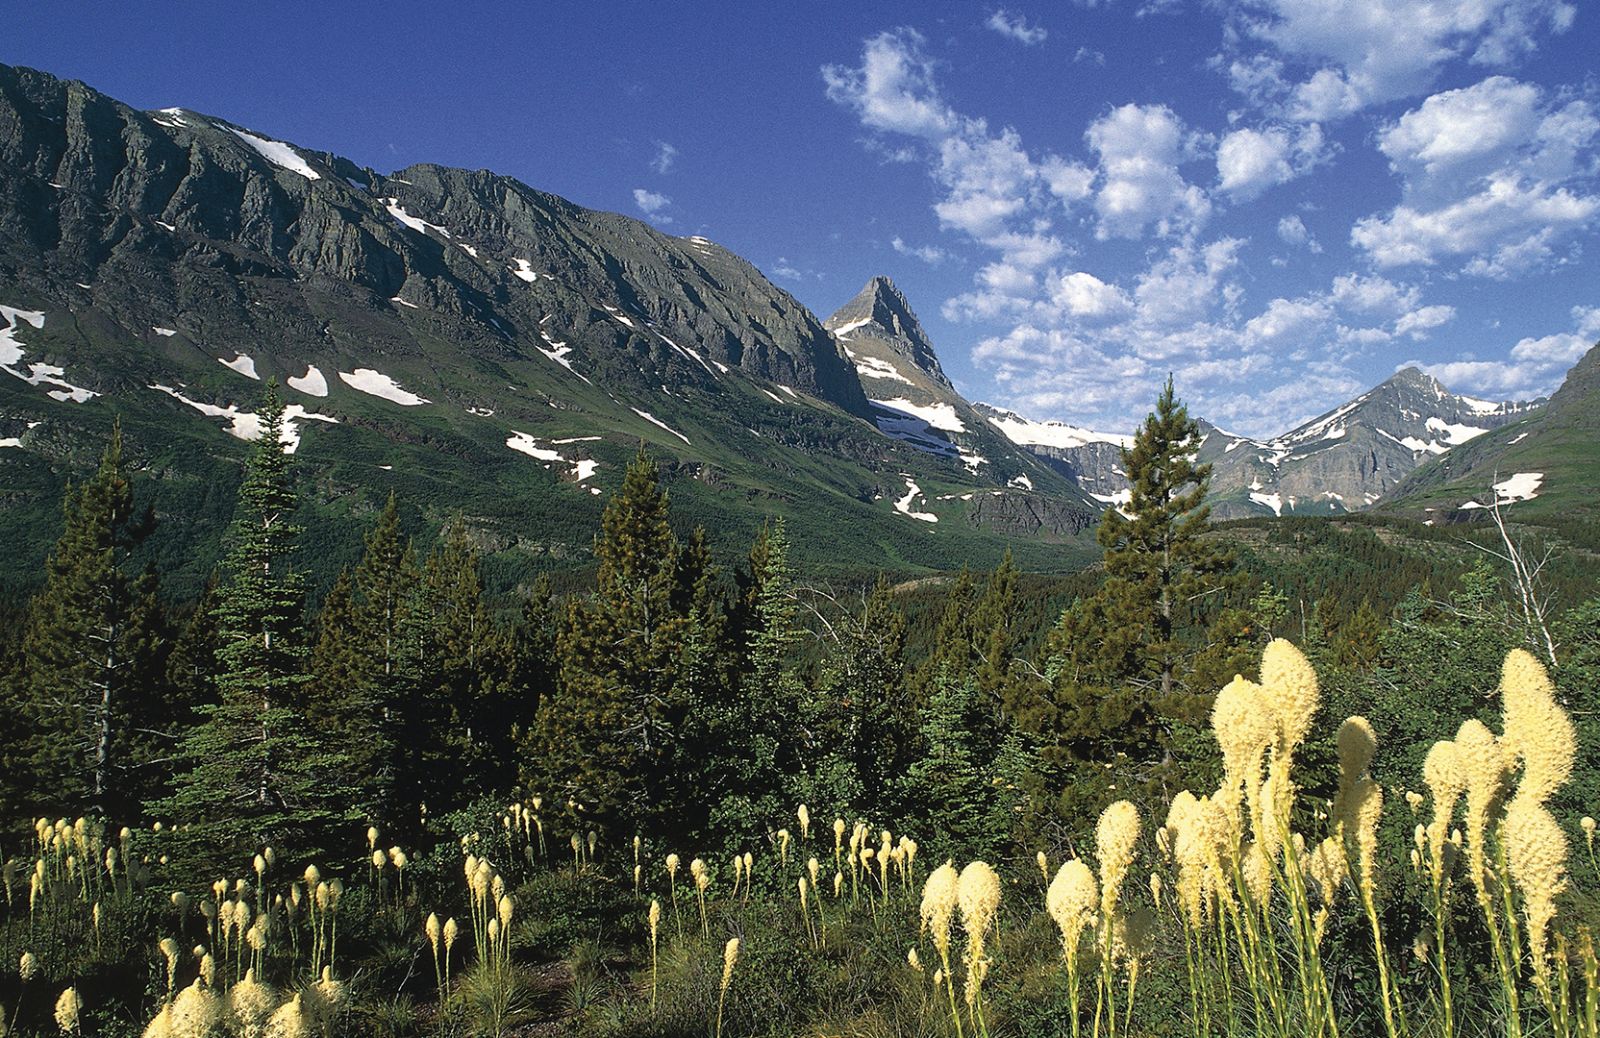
{"x":1274,"y":778}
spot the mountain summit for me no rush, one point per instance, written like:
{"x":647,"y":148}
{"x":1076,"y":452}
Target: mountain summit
{"x":459,"y":338}
{"x":881,"y":311}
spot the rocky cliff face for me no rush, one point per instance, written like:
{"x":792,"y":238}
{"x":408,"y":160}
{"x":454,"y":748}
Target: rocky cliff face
{"x":454,"y":335}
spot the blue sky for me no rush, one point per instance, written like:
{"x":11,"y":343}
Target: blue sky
{"x":1279,"y":201}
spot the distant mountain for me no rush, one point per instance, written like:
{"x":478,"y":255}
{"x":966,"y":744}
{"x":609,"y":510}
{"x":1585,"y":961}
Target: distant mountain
{"x":1544,"y":466}
{"x":1346,"y":460}
{"x":456,"y":336}
{"x":913,"y":401}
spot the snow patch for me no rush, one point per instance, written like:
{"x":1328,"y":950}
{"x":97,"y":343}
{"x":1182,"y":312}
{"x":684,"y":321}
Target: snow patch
{"x":398,"y":211}
{"x":1021,"y":482}
{"x":939,"y":416}
{"x":527,"y":443}
{"x":1454,"y":435}
{"x":558,"y":351}
{"x":312,"y":383}
{"x":246,"y":425}
{"x":279,"y":154}
{"x":903,"y":506}
{"x":875,"y":367}
{"x":402,"y":302}
{"x":165,"y":332}
{"x":376,"y":383}
{"x":37,"y":374}
{"x":243,"y":364}
{"x":1272,"y":501}
{"x":846,"y":329}
{"x":525,"y":271}
{"x":1524,"y":486}
{"x":1025,"y":433}
{"x":653,"y":420}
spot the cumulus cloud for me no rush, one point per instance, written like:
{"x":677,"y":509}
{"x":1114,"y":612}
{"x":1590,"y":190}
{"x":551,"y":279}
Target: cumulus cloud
{"x":893,"y":89}
{"x":1081,"y":294}
{"x":1287,"y":322}
{"x":1140,"y":147}
{"x":1250,"y":161}
{"x":1418,"y":323}
{"x":1493,"y":175}
{"x":1016,"y":27}
{"x":1535,"y":367}
{"x":651,"y":203}
{"x":1356,"y":55}
{"x":1292,"y":231}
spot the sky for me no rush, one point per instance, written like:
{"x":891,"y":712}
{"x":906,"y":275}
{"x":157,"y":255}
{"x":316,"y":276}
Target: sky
{"x":1278,"y":202}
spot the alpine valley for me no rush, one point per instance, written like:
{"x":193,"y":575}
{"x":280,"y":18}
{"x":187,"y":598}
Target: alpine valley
{"x":477,"y":346}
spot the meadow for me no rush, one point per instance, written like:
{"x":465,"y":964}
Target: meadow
{"x":1450,"y":908}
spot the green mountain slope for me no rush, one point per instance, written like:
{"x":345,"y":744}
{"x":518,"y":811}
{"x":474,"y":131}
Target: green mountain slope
{"x":455,"y":336}
{"x":1543,"y":469}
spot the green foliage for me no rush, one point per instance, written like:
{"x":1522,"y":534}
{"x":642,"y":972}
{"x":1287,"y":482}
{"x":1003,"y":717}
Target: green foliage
{"x":257,"y":772}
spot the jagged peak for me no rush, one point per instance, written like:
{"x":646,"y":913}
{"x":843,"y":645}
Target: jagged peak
{"x":881,"y":308}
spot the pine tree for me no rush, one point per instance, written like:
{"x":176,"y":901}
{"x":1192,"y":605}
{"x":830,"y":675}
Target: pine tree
{"x":1135,"y":664}
{"x":363,"y":687}
{"x":461,"y":728}
{"x":604,"y":735}
{"x":1158,"y":563}
{"x":258,"y":772}
{"x":88,"y":648}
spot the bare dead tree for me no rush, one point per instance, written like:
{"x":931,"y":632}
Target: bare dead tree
{"x":1527,"y":572}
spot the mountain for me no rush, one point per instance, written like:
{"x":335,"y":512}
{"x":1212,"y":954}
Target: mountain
{"x":1545,"y":466}
{"x":913,"y":401}
{"x":1346,"y":460}
{"x":455,"y":336}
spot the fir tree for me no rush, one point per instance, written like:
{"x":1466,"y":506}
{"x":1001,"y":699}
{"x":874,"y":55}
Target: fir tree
{"x":604,"y":735}
{"x":88,"y":646}
{"x":257,"y":771}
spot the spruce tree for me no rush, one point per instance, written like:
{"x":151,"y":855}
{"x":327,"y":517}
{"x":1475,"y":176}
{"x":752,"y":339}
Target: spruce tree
{"x":604,"y":734}
{"x":363,"y":687}
{"x":257,"y":772}
{"x":1158,"y":563}
{"x":87,"y":648}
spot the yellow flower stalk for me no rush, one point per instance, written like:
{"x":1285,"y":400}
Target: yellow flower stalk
{"x":654,"y":917}
{"x":68,"y":1008}
{"x":1044,"y":867}
{"x":1536,"y":854}
{"x":730,"y":956}
{"x":978,"y":896}
{"x":940,"y":898}
{"x":1538,"y":731}
{"x":196,"y":1012}
{"x":803,"y":816}
{"x":702,"y":880}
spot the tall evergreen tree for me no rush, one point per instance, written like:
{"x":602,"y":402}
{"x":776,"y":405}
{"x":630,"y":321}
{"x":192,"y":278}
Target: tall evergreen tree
{"x":363,"y":687}
{"x":257,"y":771}
{"x":1134,"y":662}
{"x":604,"y":735}
{"x":89,"y":647}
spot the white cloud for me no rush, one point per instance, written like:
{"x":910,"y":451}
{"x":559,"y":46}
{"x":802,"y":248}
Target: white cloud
{"x":1251,"y":161}
{"x":1373,"y":296}
{"x":1183,"y":287}
{"x":893,"y":90}
{"x":1287,"y":322}
{"x":1491,"y":174}
{"x":930,"y":254}
{"x":1016,"y":27}
{"x":1292,"y":231}
{"x":665,"y":156}
{"x":1418,"y":323}
{"x":1368,"y":53}
{"x":1139,"y":147}
{"x":1082,"y":294}
{"x":1535,"y":367}
{"x":651,"y":203}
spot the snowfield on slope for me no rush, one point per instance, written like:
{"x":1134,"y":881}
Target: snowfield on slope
{"x":279,"y":154}
{"x":376,"y":383}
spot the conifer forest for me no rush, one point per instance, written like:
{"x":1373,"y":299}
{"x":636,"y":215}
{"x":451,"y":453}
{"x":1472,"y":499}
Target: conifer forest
{"x":1294,"y":778}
